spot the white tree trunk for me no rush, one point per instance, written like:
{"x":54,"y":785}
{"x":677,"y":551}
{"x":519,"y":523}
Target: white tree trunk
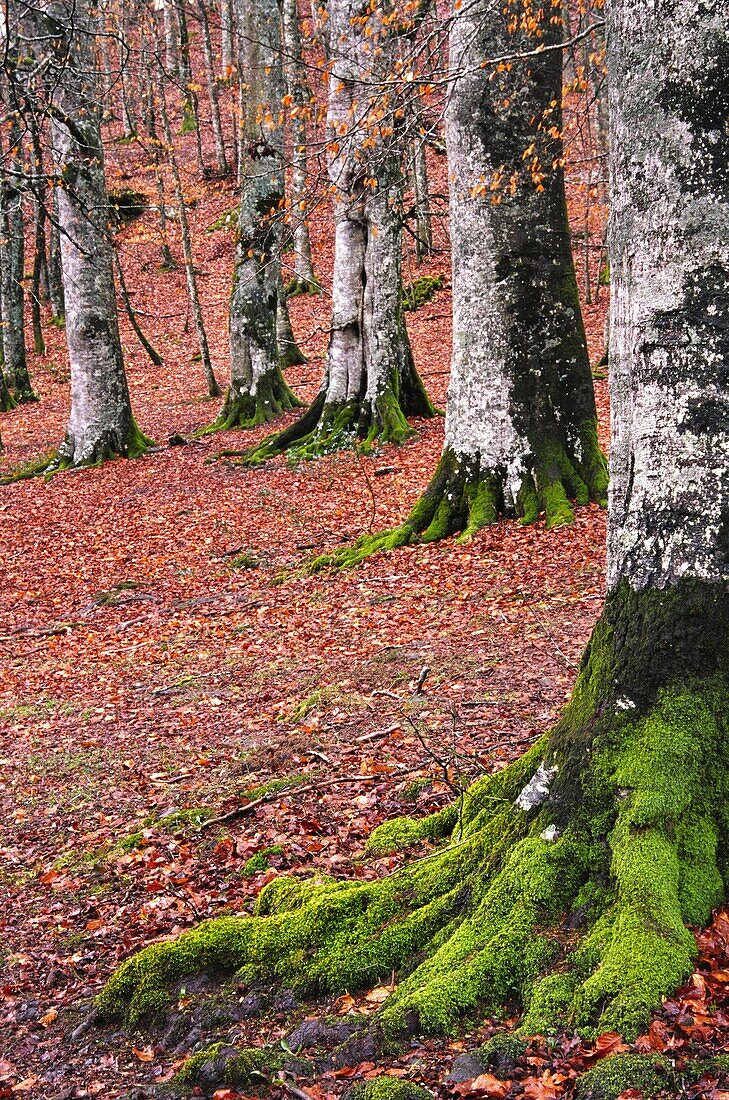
{"x":100,"y":423}
{"x":303,"y":278}
{"x":669,"y":274}
{"x":258,"y":391}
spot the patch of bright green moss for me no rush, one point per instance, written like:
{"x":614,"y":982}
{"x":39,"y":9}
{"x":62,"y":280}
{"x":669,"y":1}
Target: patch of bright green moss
{"x":420,"y":291}
{"x":389,"y":1088}
{"x":260,"y":861}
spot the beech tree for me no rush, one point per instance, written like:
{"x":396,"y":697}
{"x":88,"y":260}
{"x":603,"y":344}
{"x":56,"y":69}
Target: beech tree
{"x":370,"y":385}
{"x":569,"y":878}
{"x":258,"y":391}
{"x":100,"y":424}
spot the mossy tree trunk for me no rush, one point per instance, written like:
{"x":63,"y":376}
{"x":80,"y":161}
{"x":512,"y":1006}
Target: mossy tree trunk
{"x":521,"y":424}
{"x":567,"y":881}
{"x":100,"y":424}
{"x":258,"y":392}
{"x":370,"y":385}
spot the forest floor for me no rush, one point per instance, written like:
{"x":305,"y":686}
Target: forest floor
{"x":162,"y":655}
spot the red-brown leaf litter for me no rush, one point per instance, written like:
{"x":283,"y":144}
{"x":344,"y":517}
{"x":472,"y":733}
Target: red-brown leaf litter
{"x":163,"y":651}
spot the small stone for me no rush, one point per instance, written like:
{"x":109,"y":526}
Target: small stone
{"x":465,"y":1068}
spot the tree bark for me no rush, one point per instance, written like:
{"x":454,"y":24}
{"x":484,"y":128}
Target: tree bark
{"x":303,"y":279}
{"x":100,"y":424}
{"x":190,"y":276}
{"x":213,"y":90}
{"x":370,"y":385}
{"x":12,"y":252}
{"x":257,"y":390}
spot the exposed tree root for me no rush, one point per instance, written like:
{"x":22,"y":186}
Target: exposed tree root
{"x":565,"y":882}
{"x":325,"y":428}
{"x":296,"y":286}
{"x":462,"y":498}
{"x":272,"y":398}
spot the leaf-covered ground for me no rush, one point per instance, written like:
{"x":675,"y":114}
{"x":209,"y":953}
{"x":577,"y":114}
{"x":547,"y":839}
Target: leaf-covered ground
{"x":163,"y":655}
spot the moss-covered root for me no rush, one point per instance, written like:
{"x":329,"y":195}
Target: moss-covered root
{"x":574,"y":905}
{"x":244,"y":410}
{"x":222,"y":1064}
{"x":327,"y":427}
{"x":106,"y":447}
{"x":460,"y":498}
{"x":561,"y":475}
{"x":7,"y":400}
{"x":296,"y":286}
{"x":649,"y":1074}
{"x":463,"y":497}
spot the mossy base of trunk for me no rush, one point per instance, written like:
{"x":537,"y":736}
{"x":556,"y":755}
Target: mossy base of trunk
{"x":463,"y":497}
{"x":326,"y":427}
{"x":564,"y":883}
{"x":8,"y":401}
{"x":296,"y":286}
{"x":272,"y":398}
{"x":104,"y":447}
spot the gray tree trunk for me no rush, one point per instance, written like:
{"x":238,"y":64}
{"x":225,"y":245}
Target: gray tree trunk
{"x":421,"y":195}
{"x":521,"y":425}
{"x":12,"y":260}
{"x":257,"y":390}
{"x":213,"y":90}
{"x":190,"y":276}
{"x":303,"y":279}
{"x":227,"y":56}
{"x":370,"y":386}
{"x":100,"y":424}
{"x":669,"y":278}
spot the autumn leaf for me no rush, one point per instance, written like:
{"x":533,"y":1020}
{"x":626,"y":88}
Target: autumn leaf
{"x":144,"y":1054}
{"x":485,"y":1084}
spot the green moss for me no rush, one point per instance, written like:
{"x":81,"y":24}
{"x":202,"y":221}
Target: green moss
{"x":420,"y":291}
{"x":260,"y":861}
{"x":227,"y":220}
{"x":295,"y":287}
{"x":272,"y":398}
{"x":402,"y":832}
{"x":649,"y":1073}
{"x":220,"y":1064}
{"x":503,"y":1049}
{"x":389,"y":1088}
{"x":272,"y":786}
{"x":246,"y":560}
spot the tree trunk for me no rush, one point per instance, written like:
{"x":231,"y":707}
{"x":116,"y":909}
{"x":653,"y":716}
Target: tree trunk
{"x":303,"y":279}
{"x":257,"y":390}
{"x":226,"y":39}
{"x":12,"y":254}
{"x":521,"y":423}
{"x":423,"y":222}
{"x":55,"y":273}
{"x":190,"y":276}
{"x":221,"y":158}
{"x":370,"y":386}
{"x":101,"y":424}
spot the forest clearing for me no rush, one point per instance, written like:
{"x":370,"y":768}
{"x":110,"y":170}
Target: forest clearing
{"x":248,"y":618}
